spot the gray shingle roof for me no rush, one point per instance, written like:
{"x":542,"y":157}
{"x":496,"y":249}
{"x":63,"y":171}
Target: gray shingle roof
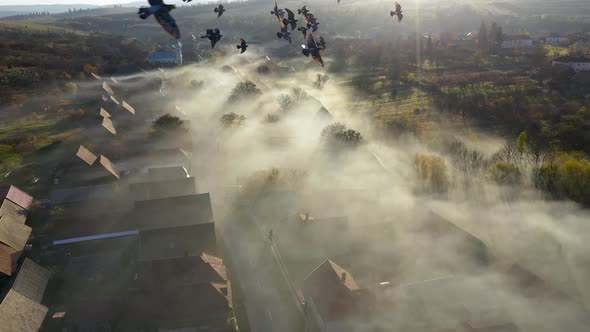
{"x":16,"y":212}
{"x":81,"y":194}
{"x":13,"y":233}
{"x":173,"y":211}
{"x":162,"y":189}
{"x":166,"y":173}
{"x":18,"y":313}
{"x":31,"y":280}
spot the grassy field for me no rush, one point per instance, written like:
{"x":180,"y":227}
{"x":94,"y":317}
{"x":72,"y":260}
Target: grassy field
{"x":30,"y":142}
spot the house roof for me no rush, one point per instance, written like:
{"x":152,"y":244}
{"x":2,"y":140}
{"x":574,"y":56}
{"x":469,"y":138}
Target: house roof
{"x":167,"y":173}
{"x":31,"y":280}
{"x":108,"y":125}
{"x":8,"y":259}
{"x":568,"y":58}
{"x":128,"y":107}
{"x":473,"y":301}
{"x":92,"y":267}
{"x":85,"y":154}
{"x":163,"y":188}
{"x":81,"y":194}
{"x":107,"y":88}
{"x":14,"y":211}
{"x":21,"y":314}
{"x":333,"y":291}
{"x":173,"y":211}
{"x":104,"y":113}
{"x":14,"y":234}
{"x":324,"y":114}
{"x":19,"y":197}
{"x":182,"y":271}
{"x":165,"y":308}
{"x":331,"y":272}
{"x":180,"y":241}
{"x":109,"y":166}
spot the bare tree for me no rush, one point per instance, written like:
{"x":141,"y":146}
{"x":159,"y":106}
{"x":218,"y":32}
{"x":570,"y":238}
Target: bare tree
{"x":320,"y":81}
{"x":286,"y":102}
{"x":469,"y":163}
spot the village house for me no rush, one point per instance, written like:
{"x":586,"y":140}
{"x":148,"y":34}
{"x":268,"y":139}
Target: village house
{"x":334,"y":301}
{"x":20,"y":304}
{"x":120,"y":279}
{"x":14,"y":234}
{"x":577,"y":63}
{"x":555,"y":39}
{"x":154,"y":189}
{"x":165,"y":58}
{"x":518,"y":41}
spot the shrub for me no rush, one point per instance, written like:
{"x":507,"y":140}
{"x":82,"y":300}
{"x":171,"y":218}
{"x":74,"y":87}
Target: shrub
{"x":503,"y":173}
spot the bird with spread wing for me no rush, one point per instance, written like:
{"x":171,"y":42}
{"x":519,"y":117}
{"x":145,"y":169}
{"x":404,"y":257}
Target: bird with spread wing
{"x":161,"y":12}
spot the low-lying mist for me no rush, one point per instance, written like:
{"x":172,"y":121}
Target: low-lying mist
{"x":373,"y":184}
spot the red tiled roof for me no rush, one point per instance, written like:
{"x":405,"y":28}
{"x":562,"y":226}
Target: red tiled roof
{"x":333,"y":297}
{"x":19,"y":197}
{"x":8,"y":259}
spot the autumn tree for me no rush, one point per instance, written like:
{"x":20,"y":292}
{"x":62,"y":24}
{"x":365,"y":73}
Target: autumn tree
{"x":337,"y":135}
{"x":566,"y":176}
{"x":432,"y":173}
{"x":503,"y":173}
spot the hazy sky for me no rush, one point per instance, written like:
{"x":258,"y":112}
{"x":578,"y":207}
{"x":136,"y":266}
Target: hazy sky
{"x":50,"y":2}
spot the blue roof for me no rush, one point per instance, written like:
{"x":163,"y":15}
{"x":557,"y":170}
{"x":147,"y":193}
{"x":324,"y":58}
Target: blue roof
{"x":96,"y":237}
{"x":162,"y":55}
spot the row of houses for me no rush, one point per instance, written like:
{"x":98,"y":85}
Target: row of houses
{"x":131,"y":242}
{"x":424,"y":274}
{"x":140,"y":253}
{"x":22,"y":281}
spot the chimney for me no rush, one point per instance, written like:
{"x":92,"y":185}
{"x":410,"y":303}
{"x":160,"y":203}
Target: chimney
{"x":343,"y":277}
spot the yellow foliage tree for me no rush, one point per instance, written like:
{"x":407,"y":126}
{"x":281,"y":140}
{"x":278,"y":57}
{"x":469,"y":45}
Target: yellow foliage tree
{"x":432,"y":173}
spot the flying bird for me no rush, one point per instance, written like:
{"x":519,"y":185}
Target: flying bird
{"x":278,"y":13}
{"x":291,"y":19}
{"x":284,"y":33}
{"x":243,"y":46}
{"x":161,"y":12}
{"x":303,"y":31}
{"x":303,"y":11}
{"x":321,"y":44}
{"x":219,"y":10}
{"x":312,"y":49}
{"x":214,"y":35}
{"x":398,"y":12}
{"x":311,"y":22}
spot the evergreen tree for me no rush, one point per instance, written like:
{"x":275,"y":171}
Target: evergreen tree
{"x":499,"y":37}
{"x":483,"y":37}
{"x":429,"y":46}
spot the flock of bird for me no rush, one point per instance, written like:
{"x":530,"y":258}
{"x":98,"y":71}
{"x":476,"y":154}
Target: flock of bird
{"x":285,"y":18}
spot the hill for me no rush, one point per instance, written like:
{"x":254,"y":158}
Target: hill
{"x":51,"y":9}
